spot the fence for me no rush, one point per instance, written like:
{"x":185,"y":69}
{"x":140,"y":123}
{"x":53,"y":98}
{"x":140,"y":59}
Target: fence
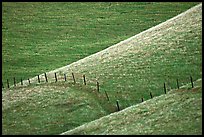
{"x":72,"y":78}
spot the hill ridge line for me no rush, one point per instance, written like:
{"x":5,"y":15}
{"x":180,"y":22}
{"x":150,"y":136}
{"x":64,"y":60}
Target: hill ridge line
{"x":131,"y":38}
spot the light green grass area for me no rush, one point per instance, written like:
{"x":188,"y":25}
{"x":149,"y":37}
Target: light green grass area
{"x":127,"y":71}
{"x":39,"y":36}
{"x":177,"y":113}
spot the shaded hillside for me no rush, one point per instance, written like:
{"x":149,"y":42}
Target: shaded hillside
{"x":177,"y":113}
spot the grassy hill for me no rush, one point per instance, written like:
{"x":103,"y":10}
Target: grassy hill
{"x":40,"y":36}
{"x":126,"y":71}
{"x":177,"y":113}
{"x":132,"y":68}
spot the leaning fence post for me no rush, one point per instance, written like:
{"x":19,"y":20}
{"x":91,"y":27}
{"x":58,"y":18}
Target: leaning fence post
{"x":107,"y":95}
{"x":191,"y":81}
{"x":8,"y":83}
{"x":142,"y":99}
{"x":84,"y":79}
{"x":2,"y":85}
{"x":55,"y":77}
{"x":118,"y":107}
{"x":73,"y":78}
{"x":46,"y":77}
{"x":164,"y":88}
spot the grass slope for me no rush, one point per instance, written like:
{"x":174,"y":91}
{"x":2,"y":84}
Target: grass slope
{"x":42,"y":36}
{"x":177,"y":113}
{"x":128,"y":71}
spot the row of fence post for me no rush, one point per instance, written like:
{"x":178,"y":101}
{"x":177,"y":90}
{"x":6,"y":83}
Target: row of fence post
{"x":84,"y":79}
{"x":46,"y":79}
{"x":97,"y":84}
{"x":151,"y":96}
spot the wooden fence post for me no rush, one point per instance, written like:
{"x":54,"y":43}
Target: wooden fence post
{"x":177,"y":83}
{"x":55,"y":77}
{"x":65,"y":78}
{"x":21,"y":81}
{"x":97,"y":84}
{"x":38,"y":79}
{"x":84,"y":79}
{"x":7,"y":83}
{"x":151,"y":95}
{"x":142,"y":99}
{"x":46,"y":77}
{"x":14,"y":81}
{"x":29,"y":81}
{"x":2,"y":85}
{"x":191,"y":81}
{"x":164,"y":88}
{"x":73,"y":78}
{"x":118,"y":107}
{"x":107,"y":96}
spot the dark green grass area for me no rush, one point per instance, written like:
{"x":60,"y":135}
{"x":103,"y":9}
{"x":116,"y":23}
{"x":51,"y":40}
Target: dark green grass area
{"x":41,"y":36}
{"x":38,"y":109}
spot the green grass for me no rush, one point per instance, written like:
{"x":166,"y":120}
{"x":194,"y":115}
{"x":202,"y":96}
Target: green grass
{"x":126,"y":72}
{"x":39,"y":37}
{"x":177,"y":113}
{"x":48,"y":109}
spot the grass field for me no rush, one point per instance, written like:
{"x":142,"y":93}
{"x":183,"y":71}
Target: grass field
{"x":39,"y":37}
{"x":127,"y":71}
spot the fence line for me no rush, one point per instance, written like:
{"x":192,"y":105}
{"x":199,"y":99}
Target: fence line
{"x":75,"y":76}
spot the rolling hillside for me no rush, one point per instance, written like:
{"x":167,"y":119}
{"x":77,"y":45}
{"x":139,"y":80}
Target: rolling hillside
{"x":132,"y":68}
{"x":126,"y":71}
{"x":177,"y":113}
